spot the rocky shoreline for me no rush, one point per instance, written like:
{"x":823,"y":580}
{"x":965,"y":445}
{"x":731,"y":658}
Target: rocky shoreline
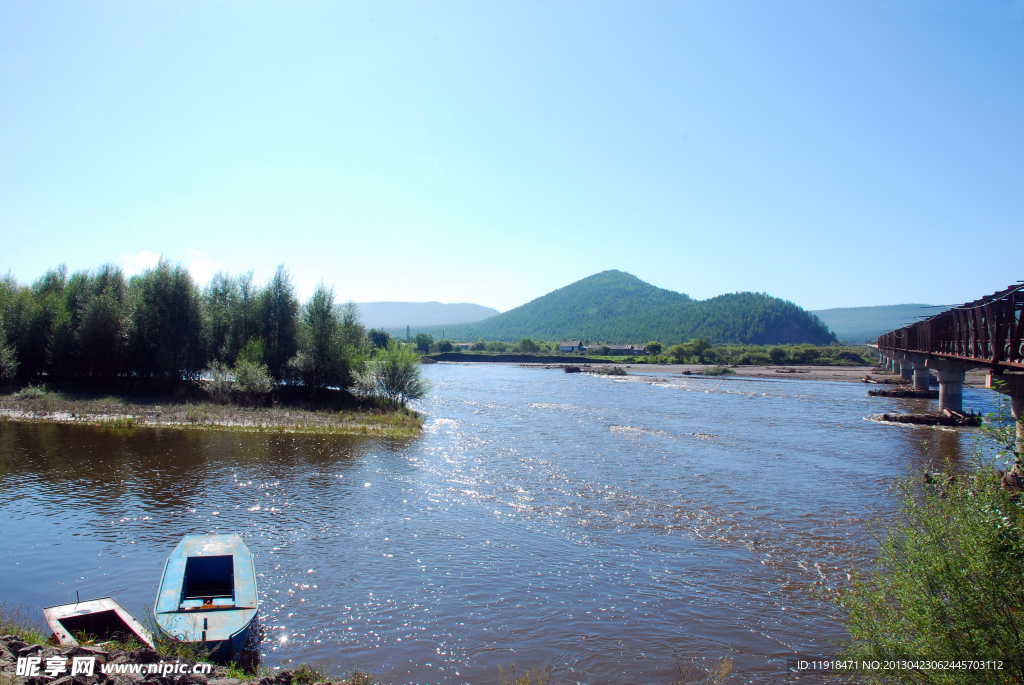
{"x":12,"y":648}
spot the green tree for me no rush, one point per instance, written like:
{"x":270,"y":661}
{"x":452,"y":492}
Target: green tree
{"x":321,"y":360}
{"x":527,"y":345}
{"x":478,"y":345}
{"x":166,"y":336}
{"x":424,"y":341}
{"x":279,"y":319}
{"x":654,"y":347}
{"x":778,"y":355}
{"x":394,"y":374}
{"x":378,"y":337}
{"x":353,"y":333}
{"x":444,"y":345}
{"x":679,"y":352}
{"x":8,"y":359}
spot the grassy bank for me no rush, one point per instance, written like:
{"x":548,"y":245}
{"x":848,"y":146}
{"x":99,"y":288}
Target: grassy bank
{"x":189,"y":408}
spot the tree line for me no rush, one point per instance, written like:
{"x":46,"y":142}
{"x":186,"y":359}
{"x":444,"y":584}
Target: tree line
{"x":101,"y":325}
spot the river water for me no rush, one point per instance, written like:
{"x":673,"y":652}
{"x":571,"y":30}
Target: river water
{"x":607,"y":527}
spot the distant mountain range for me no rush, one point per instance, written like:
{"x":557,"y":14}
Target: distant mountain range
{"x":618,"y":308}
{"x":862,"y":324}
{"x":395,"y":315}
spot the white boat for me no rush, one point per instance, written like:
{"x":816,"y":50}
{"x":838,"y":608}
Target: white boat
{"x":97,"y":619}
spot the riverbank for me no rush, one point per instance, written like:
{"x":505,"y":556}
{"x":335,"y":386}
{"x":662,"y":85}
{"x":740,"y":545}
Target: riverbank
{"x":120,"y":663}
{"x":842,"y":374}
{"x":128,"y":412}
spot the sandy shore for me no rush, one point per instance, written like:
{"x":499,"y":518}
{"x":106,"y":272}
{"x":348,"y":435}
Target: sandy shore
{"x":842,"y":374}
{"x":115,"y":412}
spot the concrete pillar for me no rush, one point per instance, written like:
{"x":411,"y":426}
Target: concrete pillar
{"x":951,"y":384}
{"x":894,"y":365}
{"x":920,"y":371}
{"x":906,"y":367}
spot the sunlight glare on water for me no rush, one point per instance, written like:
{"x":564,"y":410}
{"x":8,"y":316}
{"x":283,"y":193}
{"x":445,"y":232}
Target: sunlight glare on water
{"x":605,"y":526}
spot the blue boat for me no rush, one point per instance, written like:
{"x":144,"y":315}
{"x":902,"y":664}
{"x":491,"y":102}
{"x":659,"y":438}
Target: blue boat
{"x":207,"y":595}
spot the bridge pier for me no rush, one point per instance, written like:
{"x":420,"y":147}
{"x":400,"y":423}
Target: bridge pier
{"x":920,"y":368}
{"x":906,"y":368}
{"x":951,"y":383}
{"x":1012,"y":385}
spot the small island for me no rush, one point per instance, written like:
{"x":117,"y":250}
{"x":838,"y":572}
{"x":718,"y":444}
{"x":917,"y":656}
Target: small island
{"x":157,"y":350}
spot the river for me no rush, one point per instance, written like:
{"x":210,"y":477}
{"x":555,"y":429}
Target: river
{"x":607,"y":527}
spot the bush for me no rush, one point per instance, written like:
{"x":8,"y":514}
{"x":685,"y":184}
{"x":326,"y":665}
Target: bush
{"x":221,"y":382}
{"x":253,"y":380}
{"x":444,"y":345}
{"x":778,"y":355}
{"x":378,"y":337}
{"x":394,"y":375}
{"x":479,"y":345}
{"x":679,"y":353}
{"x":528,"y":346}
{"x":424,"y":341}
{"x":949,"y":581}
{"x":804,"y":354}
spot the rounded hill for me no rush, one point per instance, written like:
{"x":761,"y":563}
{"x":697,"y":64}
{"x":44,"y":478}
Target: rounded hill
{"x":618,"y":308}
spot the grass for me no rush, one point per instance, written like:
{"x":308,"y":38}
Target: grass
{"x":533,"y":675}
{"x":718,"y":371}
{"x":39,"y":403}
{"x":14,"y":620}
{"x":720,"y":670}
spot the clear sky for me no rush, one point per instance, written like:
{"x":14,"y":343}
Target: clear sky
{"x":831,"y":153}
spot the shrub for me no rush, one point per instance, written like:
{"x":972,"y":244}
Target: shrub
{"x":394,"y":375}
{"x":949,"y":581}
{"x":253,"y":380}
{"x":424,"y":341}
{"x":479,"y":345}
{"x":804,"y":354}
{"x":221,"y":382}
{"x":444,"y":345}
{"x":528,"y":346}
{"x":378,"y":337}
{"x":778,"y":355}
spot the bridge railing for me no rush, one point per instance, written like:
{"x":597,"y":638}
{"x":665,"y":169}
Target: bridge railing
{"x":986,"y":330}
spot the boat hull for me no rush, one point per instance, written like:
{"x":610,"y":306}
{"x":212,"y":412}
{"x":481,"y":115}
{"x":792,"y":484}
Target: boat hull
{"x":207,"y":595}
{"x":99,"y":619}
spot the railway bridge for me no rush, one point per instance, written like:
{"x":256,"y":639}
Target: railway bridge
{"x":984,"y":334}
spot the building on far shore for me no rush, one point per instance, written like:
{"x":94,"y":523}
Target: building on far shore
{"x":570,"y":346}
{"x":620,"y":349}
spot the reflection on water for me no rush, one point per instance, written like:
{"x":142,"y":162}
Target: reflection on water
{"x":605,"y":526}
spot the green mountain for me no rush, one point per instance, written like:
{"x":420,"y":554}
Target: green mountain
{"x":618,"y":308}
{"x":861,"y":324}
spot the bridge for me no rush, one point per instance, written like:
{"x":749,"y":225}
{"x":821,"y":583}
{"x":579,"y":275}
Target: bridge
{"x":984,"y":334}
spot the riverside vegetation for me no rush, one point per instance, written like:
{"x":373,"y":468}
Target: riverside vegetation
{"x":694,"y":351}
{"x":949,"y":580}
{"x":98,"y":347}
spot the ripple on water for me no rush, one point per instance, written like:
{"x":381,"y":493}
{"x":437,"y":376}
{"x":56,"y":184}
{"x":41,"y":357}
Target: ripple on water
{"x":541,"y":518}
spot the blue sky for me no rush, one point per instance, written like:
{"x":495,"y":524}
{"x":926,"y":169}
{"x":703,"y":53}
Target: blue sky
{"x":830,"y":153}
